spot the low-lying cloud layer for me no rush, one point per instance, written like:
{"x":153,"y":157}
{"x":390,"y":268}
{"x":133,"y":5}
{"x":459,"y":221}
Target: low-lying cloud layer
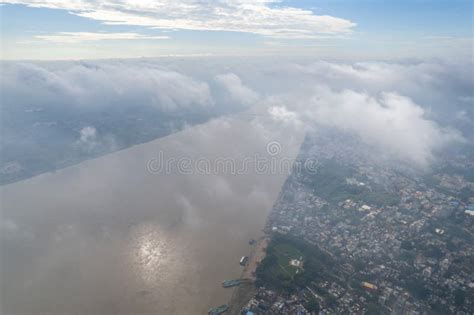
{"x":409,"y":109}
{"x":99,"y":84}
{"x":390,"y":121}
{"x":235,"y":90}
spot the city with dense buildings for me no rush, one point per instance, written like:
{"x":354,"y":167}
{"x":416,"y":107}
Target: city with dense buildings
{"x":360,"y":234}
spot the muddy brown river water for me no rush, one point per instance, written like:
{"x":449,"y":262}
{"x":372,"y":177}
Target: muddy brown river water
{"x":116,"y":235}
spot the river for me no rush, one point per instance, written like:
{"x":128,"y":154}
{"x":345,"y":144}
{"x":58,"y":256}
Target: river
{"x":117,"y":235}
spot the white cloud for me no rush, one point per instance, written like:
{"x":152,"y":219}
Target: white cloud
{"x":440,"y":87}
{"x":265,"y":17}
{"x":237,"y":91}
{"x":402,"y":108}
{"x":88,"y":134}
{"x":96,"y":84}
{"x":77,"y":37}
{"x":391,"y":122}
{"x":88,"y":138}
{"x":282,"y":114}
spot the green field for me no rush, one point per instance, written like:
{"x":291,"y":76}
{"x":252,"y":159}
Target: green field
{"x":275,"y":270}
{"x":284,"y":253}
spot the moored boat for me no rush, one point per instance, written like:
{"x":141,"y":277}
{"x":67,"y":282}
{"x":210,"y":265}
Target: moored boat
{"x":218,"y":310}
{"x":230,"y":283}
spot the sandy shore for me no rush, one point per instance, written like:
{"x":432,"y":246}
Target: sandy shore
{"x":257,"y":255}
{"x":243,"y":293}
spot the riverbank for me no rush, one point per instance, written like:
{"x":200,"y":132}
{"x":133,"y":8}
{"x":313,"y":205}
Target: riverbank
{"x":257,"y":255}
{"x":246,"y":290}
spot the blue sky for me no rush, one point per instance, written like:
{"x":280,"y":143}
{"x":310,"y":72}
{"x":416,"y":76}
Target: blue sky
{"x":375,"y":29}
